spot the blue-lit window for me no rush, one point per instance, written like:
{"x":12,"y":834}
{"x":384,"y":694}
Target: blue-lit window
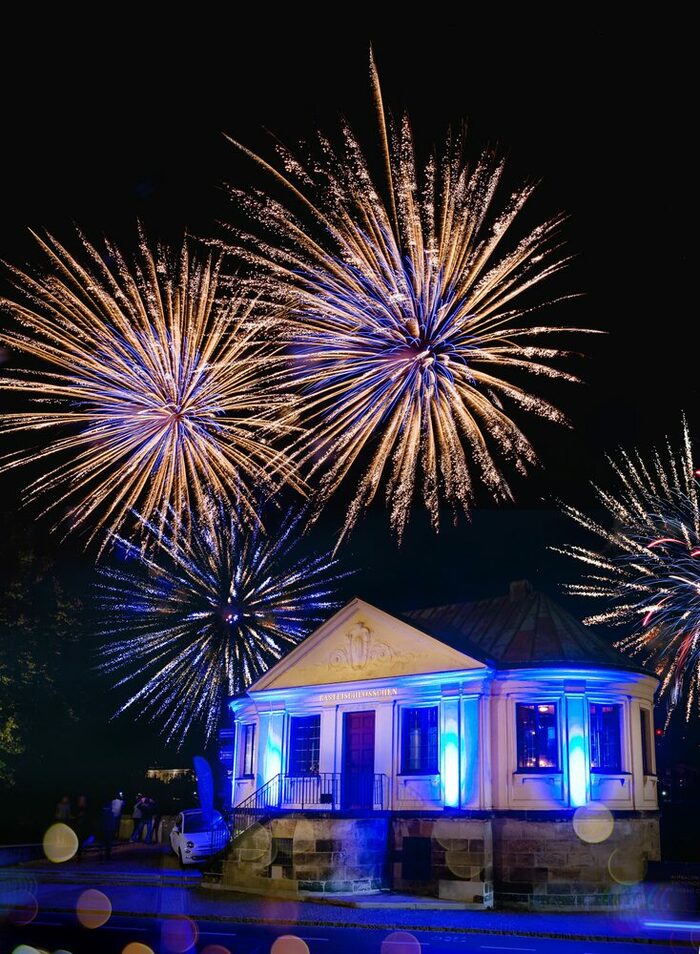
{"x":304,"y":745}
{"x":605,"y":737}
{"x":419,"y":741}
{"x":248,"y":748}
{"x":538,"y":738}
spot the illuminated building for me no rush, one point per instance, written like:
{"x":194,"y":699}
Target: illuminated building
{"x":445,"y":752}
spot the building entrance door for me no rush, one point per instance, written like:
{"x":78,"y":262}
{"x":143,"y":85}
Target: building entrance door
{"x":358,"y":759}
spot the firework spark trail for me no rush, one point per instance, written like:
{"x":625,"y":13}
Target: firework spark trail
{"x":199,"y":618}
{"x":647,"y":576}
{"x":403,"y":319}
{"x":154,"y":387}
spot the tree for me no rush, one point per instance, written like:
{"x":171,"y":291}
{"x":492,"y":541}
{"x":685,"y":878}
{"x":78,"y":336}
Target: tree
{"x":41,"y":626}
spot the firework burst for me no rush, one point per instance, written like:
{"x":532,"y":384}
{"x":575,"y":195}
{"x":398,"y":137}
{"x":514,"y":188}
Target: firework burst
{"x":201,"y":617}
{"x":646,"y":571}
{"x":403,"y":321}
{"x":153,"y":391}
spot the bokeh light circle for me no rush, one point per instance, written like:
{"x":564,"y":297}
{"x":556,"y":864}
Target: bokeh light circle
{"x":627,"y":866}
{"x":60,"y":843}
{"x":257,"y":844}
{"x":25,"y":949}
{"x":289,"y":944}
{"x":21,"y":907}
{"x":593,"y":823}
{"x":401,"y":942}
{"x":681,"y":942}
{"x":445,"y":834}
{"x":179,"y":934}
{"x":454,"y":860}
{"x":136,"y":947}
{"x":93,"y":908}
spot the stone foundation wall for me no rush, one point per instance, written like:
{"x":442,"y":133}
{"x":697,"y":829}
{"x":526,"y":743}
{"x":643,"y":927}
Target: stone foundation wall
{"x":543,"y":864}
{"x":311,"y":853}
{"x":460,"y":853}
{"x":532,"y":860}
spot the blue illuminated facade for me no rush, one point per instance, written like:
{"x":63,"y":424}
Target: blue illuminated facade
{"x":484,"y":715}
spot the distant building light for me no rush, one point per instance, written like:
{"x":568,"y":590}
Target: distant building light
{"x":168,"y":775}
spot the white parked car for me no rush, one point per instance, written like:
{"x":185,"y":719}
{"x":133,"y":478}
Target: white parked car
{"x":196,"y":836}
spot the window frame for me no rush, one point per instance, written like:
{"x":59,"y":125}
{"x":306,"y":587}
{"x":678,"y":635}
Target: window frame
{"x":619,"y":707}
{"x":404,"y":744}
{"x":291,"y":767}
{"x":247,"y":727}
{"x":536,"y":769}
{"x":646,"y":731}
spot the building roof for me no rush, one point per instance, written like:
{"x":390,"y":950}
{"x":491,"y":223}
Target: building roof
{"x":524,"y":629}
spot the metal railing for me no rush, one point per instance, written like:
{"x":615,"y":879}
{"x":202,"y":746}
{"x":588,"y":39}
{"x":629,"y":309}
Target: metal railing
{"x":325,"y":791}
{"x":255,"y":806}
{"x":321,"y":790}
{"x":219,"y":838}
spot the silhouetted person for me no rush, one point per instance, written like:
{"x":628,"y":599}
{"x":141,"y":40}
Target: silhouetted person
{"x":81,"y":824}
{"x":107,"y":829}
{"x":117,"y":808}
{"x":137,"y":816}
{"x":148,"y":810}
{"x":63,"y":811}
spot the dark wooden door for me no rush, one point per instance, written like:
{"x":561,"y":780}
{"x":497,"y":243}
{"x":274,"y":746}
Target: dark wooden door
{"x":358,"y":759}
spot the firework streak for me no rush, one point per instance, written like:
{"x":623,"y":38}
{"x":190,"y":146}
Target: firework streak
{"x":403,"y":318}
{"x":197,"y":619}
{"x":645,"y":572}
{"x":155,"y":388}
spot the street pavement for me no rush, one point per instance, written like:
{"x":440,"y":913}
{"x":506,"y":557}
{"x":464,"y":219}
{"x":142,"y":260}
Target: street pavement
{"x":142,"y":896}
{"x":214,"y":937}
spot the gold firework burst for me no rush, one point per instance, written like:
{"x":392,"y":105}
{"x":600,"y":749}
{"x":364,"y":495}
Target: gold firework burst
{"x":155,"y":387}
{"x":404,"y":318}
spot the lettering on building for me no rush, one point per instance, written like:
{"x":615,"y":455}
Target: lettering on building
{"x":357,"y":694}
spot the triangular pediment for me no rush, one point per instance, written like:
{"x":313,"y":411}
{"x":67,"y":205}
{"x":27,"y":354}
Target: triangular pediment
{"x":362,"y":642}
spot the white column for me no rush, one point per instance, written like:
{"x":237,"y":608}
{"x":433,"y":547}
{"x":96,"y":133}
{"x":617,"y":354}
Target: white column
{"x":450,"y":751}
{"x":236,"y":757}
{"x":383,"y":740}
{"x":261,"y":745}
{"x":485,"y":753}
{"x":270,"y":743}
{"x":577,"y":749}
{"x":503,"y":760}
{"x":327,"y":744}
{"x":471,"y":753}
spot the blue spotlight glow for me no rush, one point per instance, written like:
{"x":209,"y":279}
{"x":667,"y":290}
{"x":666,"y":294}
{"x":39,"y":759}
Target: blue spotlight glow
{"x":578,"y":760}
{"x":450,"y":752}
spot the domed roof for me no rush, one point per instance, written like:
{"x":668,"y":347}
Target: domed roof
{"x":520,"y":631}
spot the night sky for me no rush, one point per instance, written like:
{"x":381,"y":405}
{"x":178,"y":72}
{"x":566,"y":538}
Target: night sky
{"x":101,"y":136}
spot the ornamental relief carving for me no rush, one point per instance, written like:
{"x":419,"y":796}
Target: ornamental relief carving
{"x":362,"y":652}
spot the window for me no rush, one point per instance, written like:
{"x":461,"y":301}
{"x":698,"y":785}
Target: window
{"x":282,"y":853}
{"x":647,"y":762}
{"x":538,"y":743}
{"x":605,"y":737}
{"x":415,"y":859}
{"x":248,"y":746}
{"x":419,"y":741}
{"x":304,"y":745}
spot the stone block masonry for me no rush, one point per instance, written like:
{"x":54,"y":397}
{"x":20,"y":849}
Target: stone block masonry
{"x":532,"y":861}
{"x":446,"y":857}
{"x":542,"y":864}
{"x":328,"y":854}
